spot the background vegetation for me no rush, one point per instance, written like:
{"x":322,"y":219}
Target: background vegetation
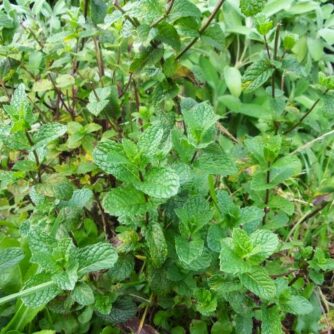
{"x":166,"y":166}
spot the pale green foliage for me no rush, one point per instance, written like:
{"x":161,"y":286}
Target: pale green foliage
{"x":166,"y":165}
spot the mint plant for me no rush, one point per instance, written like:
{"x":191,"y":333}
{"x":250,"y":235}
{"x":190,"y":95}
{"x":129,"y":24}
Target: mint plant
{"x":166,"y":167}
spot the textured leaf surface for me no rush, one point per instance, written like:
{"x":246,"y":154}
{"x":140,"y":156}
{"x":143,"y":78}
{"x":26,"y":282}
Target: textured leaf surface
{"x":259,"y":282}
{"x":271,"y":321}
{"x":125,"y":202}
{"x":251,"y":7}
{"x":160,"y":183}
{"x":184,"y":8}
{"x":41,"y":296}
{"x":150,"y":141}
{"x":188,"y":251}
{"x":83,"y":294}
{"x":199,"y":119}
{"x":157,"y":244}
{"x":47,"y":133}
{"x":298,"y":305}
{"x":10,"y":256}
{"x":96,"y":257}
{"x":257,"y":74}
{"x":265,"y":243}
{"x":194,"y":215}
{"x":230,"y":262}
{"x":110,"y":157}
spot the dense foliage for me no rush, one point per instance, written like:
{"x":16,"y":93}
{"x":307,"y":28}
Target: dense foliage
{"x":166,"y":166}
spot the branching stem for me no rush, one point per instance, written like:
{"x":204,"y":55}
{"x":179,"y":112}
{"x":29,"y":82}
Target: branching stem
{"x":202,"y":30}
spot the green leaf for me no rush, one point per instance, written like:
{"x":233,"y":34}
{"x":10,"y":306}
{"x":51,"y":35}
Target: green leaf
{"x":242,"y":242}
{"x":284,"y":168}
{"x":193,"y":215}
{"x":271,"y":321}
{"x":95,"y":257}
{"x":188,"y":251}
{"x":103,"y":303}
{"x":259,"y":282}
{"x":198,"y":327}
{"x":297,"y":305}
{"x":80,"y":198}
{"x":244,"y":324}
{"x":232,"y":78}
{"x":251,"y":7}
{"x":156,"y":243}
{"x":122,"y":310}
{"x":230,"y":261}
{"x":83,"y":294}
{"x":98,"y":11}
{"x":168,"y":35}
{"x":206,"y":303}
{"x":47,"y":133}
{"x":184,"y":8}
{"x":149,"y":142}
{"x":216,"y":162}
{"x":257,"y":74}
{"x":265,"y":243}
{"x":41,"y":296}
{"x":65,"y":80}
{"x":66,"y":280}
{"x":199,"y":119}
{"x":98,"y":100}
{"x":10,"y":256}
{"x":111,"y":158}
{"x":125,"y":202}
{"x":160,"y":182}
{"x":214,"y":36}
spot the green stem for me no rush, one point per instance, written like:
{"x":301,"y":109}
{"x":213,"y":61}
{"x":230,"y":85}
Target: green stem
{"x":39,"y":173}
{"x":169,"y":9}
{"x":302,"y":118}
{"x":201,"y":31}
{"x":25,"y":292}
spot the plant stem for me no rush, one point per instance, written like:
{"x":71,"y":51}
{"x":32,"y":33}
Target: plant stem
{"x":306,"y":217}
{"x":267,"y":196}
{"x":202,"y":30}
{"x":99,"y":57}
{"x":169,"y":8}
{"x":25,"y":292}
{"x":36,"y":156}
{"x":302,"y":118}
{"x":267,"y":46}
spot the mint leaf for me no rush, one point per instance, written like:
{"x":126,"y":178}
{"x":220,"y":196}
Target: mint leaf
{"x":47,"y":133}
{"x":157,"y":244}
{"x":199,"y":120}
{"x":242,"y":242}
{"x":83,"y":294}
{"x":42,"y":295}
{"x":111,"y":158}
{"x":297,"y":305}
{"x":271,"y":321}
{"x":95,"y":257}
{"x":188,"y":251}
{"x":193,"y":215}
{"x":10,"y":256}
{"x":230,"y":261}
{"x":184,"y":8}
{"x":265,"y":243}
{"x":257,"y":74}
{"x":160,"y":182}
{"x":149,"y":142}
{"x":168,"y":35}
{"x":125,"y":202}
{"x":259,"y":282}
{"x":251,"y":7}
